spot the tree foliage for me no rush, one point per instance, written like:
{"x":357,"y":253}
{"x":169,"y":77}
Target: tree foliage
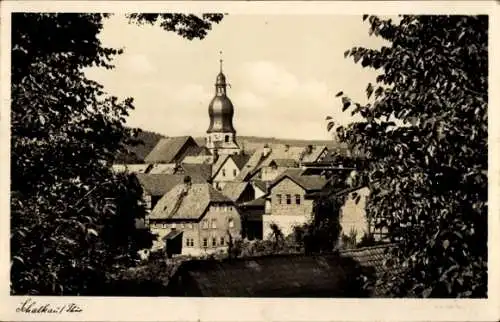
{"x":424,"y":138}
{"x":189,"y":26}
{"x":72,"y":219}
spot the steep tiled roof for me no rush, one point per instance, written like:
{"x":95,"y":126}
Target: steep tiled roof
{"x":287,"y":163}
{"x":168,"y":149}
{"x":259,"y":202}
{"x":268,"y":276}
{"x":308,"y":182}
{"x":198,"y":159}
{"x":187,"y":202}
{"x":260,"y":184}
{"x":313,"y":154}
{"x":165,"y":168}
{"x":199,"y":171}
{"x":296,"y":275}
{"x":252,"y":163}
{"x":378,"y":258}
{"x":158,"y":184}
{"x":219,"y":163}
{"x":234,"y":189}
{"x":240,"y":160}
{"x":277,"y":152}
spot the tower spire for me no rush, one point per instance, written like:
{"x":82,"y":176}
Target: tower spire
{"x":220,"y":60}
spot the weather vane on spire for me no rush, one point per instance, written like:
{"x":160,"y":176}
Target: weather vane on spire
{"x":220,"y":60}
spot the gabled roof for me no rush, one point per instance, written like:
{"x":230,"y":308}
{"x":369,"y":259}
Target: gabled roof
{"x":240,"y":160}
{"x":313,"y":153}
{"x":307,"y":182}
{"x":218,"y":164}
{"x":159,"y":184}
{"x":183,"y":202}
{"x":202,"y":172}
{"x":260,"y":184}
{"x":234,"y":189}
{"x":284,"y":163}
{"x":168,"y":149}
{"x":276,"y":152}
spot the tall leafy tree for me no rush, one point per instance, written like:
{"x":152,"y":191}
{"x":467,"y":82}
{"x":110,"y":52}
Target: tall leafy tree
{"x":72,"y":219}
{"x":424,"y":136}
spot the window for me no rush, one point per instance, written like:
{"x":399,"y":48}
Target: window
{"x":297,"y":199}
{"x":231,"y":222}
{"x":174,"y":226}
{"x":288,"y":199}
{"x":278,"y":198}
{"x":214,"y":242}
{"x":235,"y":172}
{"x":222,"y":241}
{"x":164,"y":226}
{"x":189,"y":242}
{"x":227,"y":138}
{"x":214,"y":223}
{"x":205,"y":224}
{"x":223,"y":172}
{"x":205,"y":242}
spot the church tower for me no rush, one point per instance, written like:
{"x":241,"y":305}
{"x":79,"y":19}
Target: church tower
{"x":221,"y":135}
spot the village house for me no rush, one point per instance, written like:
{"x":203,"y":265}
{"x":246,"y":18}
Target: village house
{"x":286,"y":205}
{"x":227,"y":168}
{"x":201,"y":217}
{"x":155,"y":186}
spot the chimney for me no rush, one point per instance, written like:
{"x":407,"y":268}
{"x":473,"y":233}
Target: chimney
{"x":309,"y":149}
{"x":187,"y":183}
{"x":267,"y":150}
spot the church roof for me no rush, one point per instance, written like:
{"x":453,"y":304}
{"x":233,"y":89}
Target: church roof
{"x":187,"y":202}
{"x":167,"y":150}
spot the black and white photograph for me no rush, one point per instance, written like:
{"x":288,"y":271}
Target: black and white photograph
{"x":176,"y":154}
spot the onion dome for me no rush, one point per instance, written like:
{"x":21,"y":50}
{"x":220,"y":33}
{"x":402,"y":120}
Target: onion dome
{"x":221,"y":108}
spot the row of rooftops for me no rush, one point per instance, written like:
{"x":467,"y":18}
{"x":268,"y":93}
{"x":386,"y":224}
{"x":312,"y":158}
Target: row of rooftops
{"x":188,"y":160}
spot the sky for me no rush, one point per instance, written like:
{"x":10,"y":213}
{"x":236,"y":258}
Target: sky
{"x":284,"y":72}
